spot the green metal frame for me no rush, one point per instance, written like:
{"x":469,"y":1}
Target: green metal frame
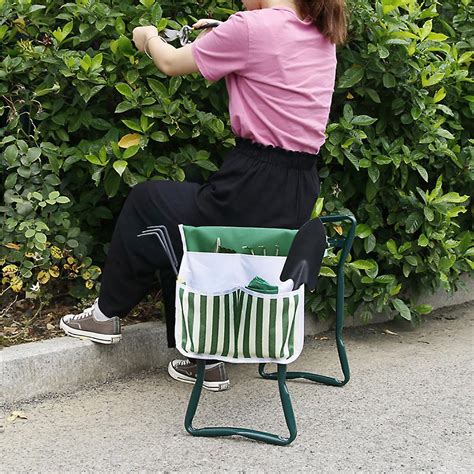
{"x":345,"y":243}
{"x":282,"y":375}
{"x":247,"y":433}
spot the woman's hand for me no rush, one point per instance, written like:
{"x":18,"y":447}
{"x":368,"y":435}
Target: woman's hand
{"x":202,"y":22}
{"x":141,"y":35}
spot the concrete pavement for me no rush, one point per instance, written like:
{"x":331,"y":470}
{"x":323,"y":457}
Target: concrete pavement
{"x":407,"y":408}
{"x":37,"y":369}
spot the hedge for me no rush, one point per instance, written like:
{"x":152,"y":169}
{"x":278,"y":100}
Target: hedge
{"x":84,"y":116}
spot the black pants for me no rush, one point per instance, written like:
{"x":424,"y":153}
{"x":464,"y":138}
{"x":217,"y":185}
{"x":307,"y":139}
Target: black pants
{"x":257,"y":186}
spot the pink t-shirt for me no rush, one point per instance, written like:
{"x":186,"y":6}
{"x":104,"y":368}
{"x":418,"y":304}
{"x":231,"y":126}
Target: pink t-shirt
{"x":279,"y":73}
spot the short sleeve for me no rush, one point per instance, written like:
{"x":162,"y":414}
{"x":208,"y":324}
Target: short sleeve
{"x":225,"y":49}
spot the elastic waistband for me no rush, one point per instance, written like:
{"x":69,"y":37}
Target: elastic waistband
{"x":275,"y":154}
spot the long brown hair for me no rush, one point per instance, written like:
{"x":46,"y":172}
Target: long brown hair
{"x":328,"y":15}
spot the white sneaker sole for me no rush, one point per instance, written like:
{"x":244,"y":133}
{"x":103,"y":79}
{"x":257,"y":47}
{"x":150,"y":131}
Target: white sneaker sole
{"x":93,"y":336}
{"x":212,"y":386}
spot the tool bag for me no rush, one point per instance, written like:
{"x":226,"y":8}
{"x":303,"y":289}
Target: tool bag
{"x":230,"y":302}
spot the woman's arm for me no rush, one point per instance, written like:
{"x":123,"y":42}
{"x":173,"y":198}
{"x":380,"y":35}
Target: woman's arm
{"x":168,"y":59}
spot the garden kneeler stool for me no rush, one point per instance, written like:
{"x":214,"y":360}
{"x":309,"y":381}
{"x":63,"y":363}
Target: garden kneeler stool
{"x":231,"y":304}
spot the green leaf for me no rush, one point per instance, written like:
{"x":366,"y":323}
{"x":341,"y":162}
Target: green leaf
{"x":432,"y":80}
{"x":371,"y":190}
{"x":112,"y":183}
{"x":451,"y":197}
{"x":158,"y":88}
{"x":33,"y":154}
{"x":370,"y":243}
{"x":455,"y":211}
{"x":363,"y":264}
{"x":423,"y":240}
{"x":363,"y":120}
{"x":429,"y":214}
{"x":327,"y":272}
{"x":389,"y":80}
{"x":392,"y":247}
{"x":125,"y":46}
{"x":11,"y":180}
{"x":422,"y":171}
{"x":174,"y":84}
{"x":348,"y":112}
{"x":72,"y":243}
{"x":402,"y":308}
{"x":124,"y":89}
{"x":374,"y":173}
{"x":445,"y":134}
{"x":179,"y":173}
{"x":374,"y":95}
{"x":424,"y":309}
{"x":351,"y":77}
{"x":96,"y":62}
{"x":133,"y":125}
{"x":389,"y":5}
{"x":156,"y":13}
{"x":11,"y":152}
{"x":123,"y":107}
{"x":129,"y":178}
{"x":94,"y":160}
{"x":24,"y":172}
{"x":206,"y":164}
{"x":363,"y":231}
{"x":318,"y":207}
{"x":386,"y":279}
{"x":426,"y":29}
{"x":131,"y":151}
{"x":40,"y":237}
{"x":120,"y":166}
{"x":119,"y":26}
{"x":160,"y":136}
{"x":413,"y":222}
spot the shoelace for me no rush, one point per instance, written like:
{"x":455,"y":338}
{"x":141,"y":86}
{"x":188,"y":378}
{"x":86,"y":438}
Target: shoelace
{"x":85,"y":314}
{"x":181,"y":362}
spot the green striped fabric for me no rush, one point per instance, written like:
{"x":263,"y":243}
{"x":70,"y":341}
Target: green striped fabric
{"x":239,"y":324}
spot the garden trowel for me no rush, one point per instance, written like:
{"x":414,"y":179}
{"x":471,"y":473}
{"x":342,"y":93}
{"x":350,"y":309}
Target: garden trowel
{"x":304,"y":259}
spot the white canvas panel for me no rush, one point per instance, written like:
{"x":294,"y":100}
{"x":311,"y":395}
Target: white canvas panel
{"x":216,"y":272}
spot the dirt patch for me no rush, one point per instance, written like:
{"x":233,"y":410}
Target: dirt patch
{"x":28,"y":320}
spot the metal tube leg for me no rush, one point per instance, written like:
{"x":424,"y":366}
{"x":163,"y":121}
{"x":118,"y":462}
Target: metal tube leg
{"x":195,"y":396}
{"x":245,"y":432}
{"x":341,"y":350}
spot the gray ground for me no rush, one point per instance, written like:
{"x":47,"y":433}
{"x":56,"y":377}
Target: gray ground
{"x":407,"y":408}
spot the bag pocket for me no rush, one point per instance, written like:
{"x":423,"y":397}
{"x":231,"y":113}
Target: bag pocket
{"x":205,"y":322}
{"x":239,"y":324}
{"x":271,"y":325}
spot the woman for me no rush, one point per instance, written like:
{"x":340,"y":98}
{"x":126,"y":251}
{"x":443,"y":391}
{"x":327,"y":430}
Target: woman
{"x":279,"y":62}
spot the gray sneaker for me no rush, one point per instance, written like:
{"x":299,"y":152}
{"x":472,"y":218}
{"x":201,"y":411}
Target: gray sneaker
{"x":215,"y":376}
{"x":84,"y":325}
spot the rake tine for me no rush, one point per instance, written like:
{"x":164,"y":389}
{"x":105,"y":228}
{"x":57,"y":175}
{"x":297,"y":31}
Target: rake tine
{"x":165,"y":248}
{"x":167,"y":245}
{"x":165,"y":230}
